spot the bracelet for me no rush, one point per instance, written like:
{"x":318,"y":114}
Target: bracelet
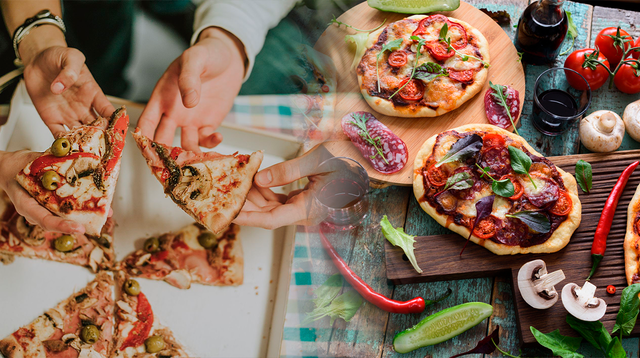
{"x":43,"y":17}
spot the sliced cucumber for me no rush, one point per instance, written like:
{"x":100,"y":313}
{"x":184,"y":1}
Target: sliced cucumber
{"x":441,"y":326}
{"x":414,"y":6}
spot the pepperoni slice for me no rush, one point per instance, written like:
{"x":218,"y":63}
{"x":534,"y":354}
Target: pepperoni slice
{"x":436,"y":176}
{"x":392,"y":147}
{"x":497,"y":159}
{"x":397,"y":59}
{"x":563,"y":205}
{"x":542,"y":196}
{"x":413,"y":91}
{"x":440,"y":51}
{"x":461,"y":76}
{"x":492,"y":140}
{"x":518,"y":189}
{"x":458,"y":35}
{"x":485,"y":228}
{"x":637,"y":225}
{"x":496,"y":113}
{"x":512,"y":232}
{"x":424,"y":23}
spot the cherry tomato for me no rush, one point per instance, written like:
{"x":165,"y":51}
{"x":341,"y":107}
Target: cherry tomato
{"x":636,"y":53}
{"x":397,"y":59}
{"x":518,"y":189}
{"x":422,"y":25}
{"x":325,"y":88}
{"x":485,"y":228}
{"x":563,"y":205}
{"x":439,"y":51}
{"x":627,"y":79}
{"x":460,"y":41}
{"x":436,"y":176}
{"x":492,"y":139}
{"x":610,"y":43}
{"x":611,"y":289}
{"x":461,"y":76}
{"x":583,"y":62}
{"x":413,"y":91}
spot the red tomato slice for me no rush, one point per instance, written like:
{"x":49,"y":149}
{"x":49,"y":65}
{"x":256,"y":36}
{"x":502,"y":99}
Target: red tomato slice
{"x":563,"y":205}
{"x":397,"y":59}
{"x":485,"y":228}
{"x":492,"y":139}
{"x":627,"y":79}
{"x":439,"y":51}
{"x":595,"y":74}
{"x":44,"y":161}
{"x":461,"y":76}
{"x":142,"y":326}
{"x":413,"y":91}
{"x":424,"y":23}
{"x":637,"y":225}
{"x":518,"y":189}
{"x":458,"y":35}
{"x":436,"y":176}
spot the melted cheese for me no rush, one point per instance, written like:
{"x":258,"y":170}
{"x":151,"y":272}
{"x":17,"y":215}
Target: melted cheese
{"x":84,"y":190}
{"x":468,"y":207}
{"x":530,"y":189}
{"x":501,"y":207}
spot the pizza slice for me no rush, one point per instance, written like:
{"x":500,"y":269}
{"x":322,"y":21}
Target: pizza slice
{"x":19,"y":237}
{"x":138,"y":332}
{"x":209,"y":186}
{"x":192,"y":254}
{"x":76,"y":177}
{"x":80,"y":326}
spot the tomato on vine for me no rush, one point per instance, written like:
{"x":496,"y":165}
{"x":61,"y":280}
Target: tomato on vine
{"x":591,"y":65}
{"x":612,"y":43}
{"x":627,"y":78}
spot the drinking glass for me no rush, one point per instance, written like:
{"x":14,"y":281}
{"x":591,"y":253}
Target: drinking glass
{"x":556,"y":105}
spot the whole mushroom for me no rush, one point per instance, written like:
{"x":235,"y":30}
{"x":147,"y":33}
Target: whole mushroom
{"x":602,"y":131}
{"x":581,"y":303}
{"x":536,"y":285}
{"x":631,"y":118}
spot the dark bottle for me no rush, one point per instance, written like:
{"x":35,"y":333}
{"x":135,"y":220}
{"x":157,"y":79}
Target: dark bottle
{"x":541,"y":30}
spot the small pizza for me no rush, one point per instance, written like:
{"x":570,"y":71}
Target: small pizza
{"x":632,"y":240}
{"x":138,"y":332}
{"x":19,"y":237}
{"x":209,"y":186}
{"x":440,"y":80}
{"x":76,"y":177}
{"x":457,"y":169}
{"x":192,"y":254}
{"x":80,"y":326}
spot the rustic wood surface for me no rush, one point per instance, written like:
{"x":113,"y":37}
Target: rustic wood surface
{"x":351,"y":340}
{"x":505,"y":69}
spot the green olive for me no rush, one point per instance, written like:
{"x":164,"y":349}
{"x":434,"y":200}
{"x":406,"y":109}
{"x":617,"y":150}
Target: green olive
{"x":60,"y":147}
{"x":208,"y":240}
{"x":64,"y":243}
{"x":50,"y":180}
{"x":132,"y":287}
{"x":90,"y":334}
{"x":154,"y":344}
{"x":152,"y":245}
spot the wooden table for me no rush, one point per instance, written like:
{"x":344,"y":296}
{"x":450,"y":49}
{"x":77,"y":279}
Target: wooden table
{"x":363,"y":248}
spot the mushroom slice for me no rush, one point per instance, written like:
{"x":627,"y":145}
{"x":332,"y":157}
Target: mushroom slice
{"x":537,"y":285}
{"x":179,"y":278}
{"x":95,"y":258}
{"x":581,"y":303}
{"x":602,"y":131}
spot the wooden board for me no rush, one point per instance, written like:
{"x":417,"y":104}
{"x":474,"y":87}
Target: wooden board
{"x":505,"y":69}
{"x":438,"y":255}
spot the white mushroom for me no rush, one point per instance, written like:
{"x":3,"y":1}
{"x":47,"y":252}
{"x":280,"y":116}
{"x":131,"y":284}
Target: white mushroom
{"x":602,"y":131}
{"x":631,"y":118}
{"x":536,"y":284}
{"x":581,"y":303}
{"x":95,"y":258}
{"x":179,"y":278}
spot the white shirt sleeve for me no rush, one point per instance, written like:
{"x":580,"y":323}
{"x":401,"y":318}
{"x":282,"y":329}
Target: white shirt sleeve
{"x":248,"y":20}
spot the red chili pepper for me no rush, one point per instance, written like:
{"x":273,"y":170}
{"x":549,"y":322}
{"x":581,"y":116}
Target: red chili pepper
{"x":415,"y":305}
{"x":611,"y":289}
{"x":606,"y":218}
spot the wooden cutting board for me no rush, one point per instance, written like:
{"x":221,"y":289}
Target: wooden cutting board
{"x":439,"y":258}
{"x":505,"y":69}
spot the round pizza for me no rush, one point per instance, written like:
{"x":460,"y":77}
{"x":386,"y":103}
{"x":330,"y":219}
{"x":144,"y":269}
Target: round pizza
{"x":423,"y":66}
{"x":632,"y":240}
{"x":491,"y":186}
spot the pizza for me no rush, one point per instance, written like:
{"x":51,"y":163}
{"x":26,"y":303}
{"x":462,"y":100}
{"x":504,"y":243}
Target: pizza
{"x":192,"y":254}
{"x":76,"y":177}
{"x":546,"y":193}
{"x":443,"y":79}
{"x":138,"y":332}
{"x":80,"y":326}
{"x":19,"y":237}
{"x":632,"y":240}
{"x":209,"y":186}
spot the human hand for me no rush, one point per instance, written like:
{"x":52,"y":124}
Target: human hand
{"x":10,"y":164}
{"x":196,"y":92}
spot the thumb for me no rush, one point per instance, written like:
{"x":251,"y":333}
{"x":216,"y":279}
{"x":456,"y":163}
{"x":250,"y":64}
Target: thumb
{"x":192,"y":63}
{"x":71,"y":62}
{"x":287,"y":172}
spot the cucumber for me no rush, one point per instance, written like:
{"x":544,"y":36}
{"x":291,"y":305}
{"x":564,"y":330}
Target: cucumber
{"x":441,"y":326}
{"x":414,"y":6}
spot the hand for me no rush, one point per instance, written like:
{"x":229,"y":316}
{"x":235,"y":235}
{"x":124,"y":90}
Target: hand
{"x":10,"y":164}
{"x":196,"y":92}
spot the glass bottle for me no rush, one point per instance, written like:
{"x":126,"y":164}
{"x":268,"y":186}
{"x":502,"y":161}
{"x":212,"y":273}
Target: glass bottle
{"x":541,"y":30}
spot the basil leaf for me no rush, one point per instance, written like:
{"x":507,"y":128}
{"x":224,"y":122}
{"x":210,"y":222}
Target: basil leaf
{"x":397,"y":237}
{"x":459,"y":181}
{"x":593,"y":332}
{"x":486,"y":344}
{"x":629,"y":308}
{"x":584,"y":175}
{"x":533,"y":219}
{"x":462,"y":149}
{"x":560,"y":345}
{"x":328,"y":291}
{"x":443,"y":31}
{"x":615,"y":349}
{"x":429,"y":71}
{"x":503,"y":188}
{"x":520,"y":161}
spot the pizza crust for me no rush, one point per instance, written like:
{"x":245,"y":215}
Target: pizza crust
{"x":387,"y":107}
{"x":560,"y":237}
{"x":631,"y":254}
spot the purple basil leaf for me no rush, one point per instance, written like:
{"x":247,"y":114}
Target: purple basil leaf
{"x":483,"y":209}
{"x":485,"y":346}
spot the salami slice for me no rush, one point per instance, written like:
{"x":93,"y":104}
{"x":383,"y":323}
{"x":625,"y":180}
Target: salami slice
{"x":386,"y":152}
{"x":513,"y":232}
{"x":497,"y":159}
{"x":496,"y":113}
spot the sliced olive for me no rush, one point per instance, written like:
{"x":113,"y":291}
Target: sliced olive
{"x":50,"y":180}
{"x":154,"y":344}
{"x":152,"y":245}
{"x":60,"y":147}
{"x":132,"y":287}
{"x":208,"y":240}
{"x":64,"y":243}
{"x":90,"y":334}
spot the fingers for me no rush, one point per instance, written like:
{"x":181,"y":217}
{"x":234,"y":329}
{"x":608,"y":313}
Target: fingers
{"x":102,"y":105}
{"x":71,"y":63}
{"x":286,"y":172}
{"x":32,"y":211}
{"x":165,"y":132}
{"x":56,"y":128}
{"x":270,"y":195}
{"x":208,"y":137}
{"x":150,"y":116}
{"x":192,"y":64}
{"x":279,"y":216}
{"x":189,"y":139}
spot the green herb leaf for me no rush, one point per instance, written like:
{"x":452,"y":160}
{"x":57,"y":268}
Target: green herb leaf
{"x":533,"y":219}
{"x":397,"y":237}
{"x":629,"y":308}
{"x":584,"y":175}
{"x":520,"y":162}
{"x":344,"y":306}
{"x":520,"y":56}
{"x":443,"y":32}
{"x":360,"y":121}
{"x":429,"y":71}
{"x":389,"y":46}
{"x":360,"y":40}
{"x":572,"y":33}
{"x":560,"y":345}
{"x":335,"y":21}
{"x":503,"y":188}
{"x":501,"y":98}
{"x":593,"y":332}
{"x":462,"y":149}
{"x":615,"y":349}
{"x":459,"y":181}
{"x":328,"y":291}
{"x":421,"y":43}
